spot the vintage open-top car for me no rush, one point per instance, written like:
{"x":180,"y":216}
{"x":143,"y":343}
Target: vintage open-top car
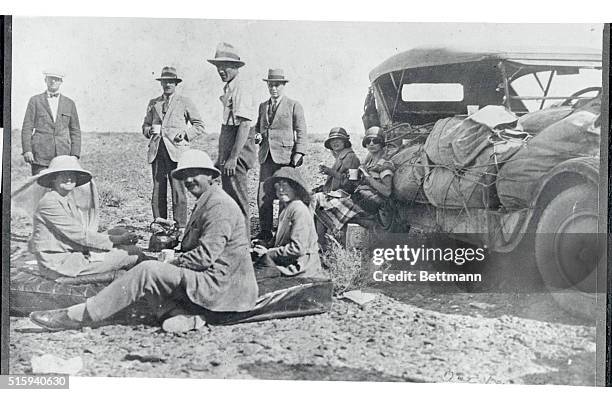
{"x":556,"y":96}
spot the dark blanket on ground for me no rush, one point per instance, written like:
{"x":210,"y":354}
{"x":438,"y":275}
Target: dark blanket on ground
{"x":279,"y":297}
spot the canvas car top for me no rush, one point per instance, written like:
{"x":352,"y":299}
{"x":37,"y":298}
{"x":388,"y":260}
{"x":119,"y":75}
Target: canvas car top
{"x":422,"y":85}
{"x":436,"y":56}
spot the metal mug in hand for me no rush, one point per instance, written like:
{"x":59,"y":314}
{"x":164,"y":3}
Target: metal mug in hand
{"x":353,"y":174}
{"x":155,"y":129}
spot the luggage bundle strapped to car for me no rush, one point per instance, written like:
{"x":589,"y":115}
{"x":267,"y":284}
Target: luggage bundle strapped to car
{"x":575,"y":136}
{"x":464,"y":156}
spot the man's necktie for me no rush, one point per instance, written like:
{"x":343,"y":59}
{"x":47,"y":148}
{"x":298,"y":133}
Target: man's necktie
{"x":52,"y":95}
{"x":272,"y":109}
{"x":165,"y":106}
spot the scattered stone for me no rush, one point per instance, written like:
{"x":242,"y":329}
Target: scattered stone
{"x":359,"y":297}
{"x":51,"y":364}
{"x":481,"y":305}
{"x":135,"y":356}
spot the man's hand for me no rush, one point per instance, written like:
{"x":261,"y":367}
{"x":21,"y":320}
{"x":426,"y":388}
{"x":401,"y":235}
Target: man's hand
{"x":28,"y":157}
{"x":259,"y":250}
{"x":297,"y":159}
{"x":229,"y":167}
{"x":180,"y":136}
{"x":146,"y":131}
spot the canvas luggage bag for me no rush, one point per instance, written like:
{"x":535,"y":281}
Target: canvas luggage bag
{"x":457,"y":142}
{"x":408,"y":178}
{"x":470,"y":187}
{"x":535,"y":122}
{"x":568,"y":138}
{"x":437,"y":146}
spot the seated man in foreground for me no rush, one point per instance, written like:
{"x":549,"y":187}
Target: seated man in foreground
{"x":212,"y":272}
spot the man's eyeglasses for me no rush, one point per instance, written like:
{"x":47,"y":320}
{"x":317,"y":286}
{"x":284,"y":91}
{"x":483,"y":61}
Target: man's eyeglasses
{"x":374,"y":140}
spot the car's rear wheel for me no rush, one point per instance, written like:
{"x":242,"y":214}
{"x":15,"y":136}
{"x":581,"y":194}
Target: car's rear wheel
{"x":569,"y":250}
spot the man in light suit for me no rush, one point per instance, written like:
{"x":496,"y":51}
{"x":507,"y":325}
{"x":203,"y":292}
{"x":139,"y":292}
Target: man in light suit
{"x":51,"y":126}
{"x":166,"y":125}
{"x":281,"y":130}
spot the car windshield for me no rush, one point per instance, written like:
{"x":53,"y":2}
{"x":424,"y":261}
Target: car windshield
{"x":531,"y":87}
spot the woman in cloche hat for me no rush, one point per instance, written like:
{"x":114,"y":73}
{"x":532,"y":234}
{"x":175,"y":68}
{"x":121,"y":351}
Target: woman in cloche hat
{"x":339,"y":143}
{"x":295,"y":251}
{"x":374,"y":188}
{"x":65,"y":237}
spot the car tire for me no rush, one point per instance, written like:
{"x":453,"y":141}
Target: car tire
{"x":568,"y":250}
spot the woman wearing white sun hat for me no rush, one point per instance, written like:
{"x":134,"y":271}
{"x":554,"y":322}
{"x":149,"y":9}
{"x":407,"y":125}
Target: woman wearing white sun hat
{"x":65,"y":237}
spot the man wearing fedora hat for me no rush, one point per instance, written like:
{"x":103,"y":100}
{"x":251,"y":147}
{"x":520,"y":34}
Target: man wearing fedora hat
{"x":281,"y":130}
{"x":237,"y":152}
{"x":51,"y":125}
{"x":212,"y":272}
{"x":166,"y":125}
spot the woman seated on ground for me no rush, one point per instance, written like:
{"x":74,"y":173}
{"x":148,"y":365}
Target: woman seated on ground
{"x":374,"y":187}
{"x":339,"y":144}
{"x":65,"y":237}
{"x":295,"y":251}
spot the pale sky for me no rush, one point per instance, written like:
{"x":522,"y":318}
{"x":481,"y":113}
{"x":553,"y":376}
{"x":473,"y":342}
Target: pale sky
{"x":110,"y":63}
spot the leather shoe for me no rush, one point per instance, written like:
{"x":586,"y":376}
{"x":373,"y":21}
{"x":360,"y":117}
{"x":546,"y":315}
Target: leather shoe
{"x":55,"y":320}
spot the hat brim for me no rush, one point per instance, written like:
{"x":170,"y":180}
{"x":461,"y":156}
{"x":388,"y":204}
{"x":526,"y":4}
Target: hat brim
{"x":301,"y":190}
{"x":179,"y":174}
{"x":347,"y":142}
{"x":274,"y":80}
{"x":169,"y":79}
{"x":217,"y":61}
{"x":45,"y":178}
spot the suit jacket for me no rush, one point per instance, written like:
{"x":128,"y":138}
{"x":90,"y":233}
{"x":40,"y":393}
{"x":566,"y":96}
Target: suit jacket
{"x":296,"y":251}
{"x":216,"y":249}
{"x":284,"y":134}
{"x":60,"y":238}
{"x":180,"y":113}
{"x":46,"y":138}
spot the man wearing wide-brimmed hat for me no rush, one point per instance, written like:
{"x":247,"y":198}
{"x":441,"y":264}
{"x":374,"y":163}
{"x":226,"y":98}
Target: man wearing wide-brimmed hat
{"x":171,"y":123}
{"x":51,"y":125}
{"x":281,"y":129}
{"x":237,"y":152}
{"x":212,"y":272}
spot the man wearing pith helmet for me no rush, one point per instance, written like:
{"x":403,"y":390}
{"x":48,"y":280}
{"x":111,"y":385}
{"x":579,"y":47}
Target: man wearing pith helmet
{"x":237,"y":152}
{"x":281,"y":130}
{"x":212,"y":271}
{"x":171,"y":123}
{"x":51,"y":125}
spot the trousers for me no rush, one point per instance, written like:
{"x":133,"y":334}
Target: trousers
{"x":161,"y":167}
{"x":161,"y":285}
{"x":37,"y":168}
{"x":236,"y":186}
